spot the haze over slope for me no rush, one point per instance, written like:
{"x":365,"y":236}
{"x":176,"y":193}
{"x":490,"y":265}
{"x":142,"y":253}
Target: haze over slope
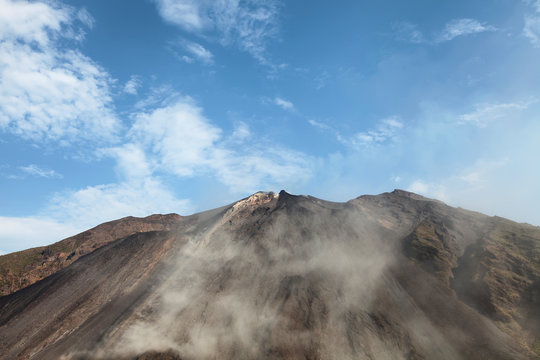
{"x":392,"y":276}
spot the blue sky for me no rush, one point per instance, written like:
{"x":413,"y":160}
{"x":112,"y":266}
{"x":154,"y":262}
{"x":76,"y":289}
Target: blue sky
{"x":117,"y":108}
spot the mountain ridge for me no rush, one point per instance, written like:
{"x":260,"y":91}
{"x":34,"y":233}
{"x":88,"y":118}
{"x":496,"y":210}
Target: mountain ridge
{"x":394,"y":275}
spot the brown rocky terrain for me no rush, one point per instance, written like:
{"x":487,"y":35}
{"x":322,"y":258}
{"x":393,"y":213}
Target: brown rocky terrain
{"x":391,"y":276}
{"x":23,"y":268}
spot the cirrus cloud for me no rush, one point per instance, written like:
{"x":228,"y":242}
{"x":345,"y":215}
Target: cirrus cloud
{"x":461,"y":27}
{"x":454,"y":28}
{"x":247,"y":24}
{"x":37,"y":171}
{"x":483,"y":115}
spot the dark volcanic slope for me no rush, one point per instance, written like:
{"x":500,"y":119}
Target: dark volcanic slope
{"x":392,"y":276}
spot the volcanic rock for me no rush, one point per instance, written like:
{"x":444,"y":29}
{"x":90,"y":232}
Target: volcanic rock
{"x":278,"y":276}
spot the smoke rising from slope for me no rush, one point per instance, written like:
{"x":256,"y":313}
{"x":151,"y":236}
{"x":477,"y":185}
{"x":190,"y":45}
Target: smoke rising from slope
{"x":393,"y":276}
{"x":250,"y":296}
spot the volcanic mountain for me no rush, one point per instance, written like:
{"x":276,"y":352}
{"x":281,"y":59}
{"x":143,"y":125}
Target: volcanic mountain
{"x":277,"y":276}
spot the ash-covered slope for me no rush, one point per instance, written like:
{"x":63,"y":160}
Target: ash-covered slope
{"x":392,"y":276}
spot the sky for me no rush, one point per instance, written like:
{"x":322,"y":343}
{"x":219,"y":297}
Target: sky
{"x":133,"y":107}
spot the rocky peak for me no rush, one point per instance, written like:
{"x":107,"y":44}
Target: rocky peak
{"x":257,"y":199}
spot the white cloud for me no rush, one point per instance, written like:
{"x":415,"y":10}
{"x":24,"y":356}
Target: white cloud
{"x":532,"y":29}
{"x":284,"y":104}
{"x":132,"y":85}
{"x":258,"y":166}
{"x":198,"y":51}
{"x":185,"y":13}
{"x":31,"y":22}
{"x":319,"y":124}
{"x":453,"y":29}
{"x":131,"y":161}
{"x":387,"y":129}
{"x":248,"y":24}
{"x":179,"y":135}
{"x":48,"y":92}
{"x":51,"y":93}
{"x":178,"y":139}
{"x":35,"y":170}
{"x":461,"y":27}
{"x":485,"y":114}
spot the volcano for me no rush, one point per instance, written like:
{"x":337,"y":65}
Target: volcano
{"x":278,"y":276}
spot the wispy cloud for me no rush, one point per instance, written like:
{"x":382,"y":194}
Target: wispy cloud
{"x":197,"y":52}
{"x":386,"y":130}
{"x":408,"y":32}
{"x":284,"y":104}
{"x":454,"y":28}
{"x":132,"y":85}
{"x":247,"y":24}
{"x":157,"y":95}
{"x":461,"y":27}
{"x":531,"y":29}
{"x":484,"y":114}
{"x":319,"y":124}
{"x":321,"y":80}
{"x":37,"y":171}
{"x":49,"y":92}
